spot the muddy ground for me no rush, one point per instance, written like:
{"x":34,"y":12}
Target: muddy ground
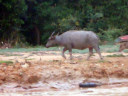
{"x":48,"y":74}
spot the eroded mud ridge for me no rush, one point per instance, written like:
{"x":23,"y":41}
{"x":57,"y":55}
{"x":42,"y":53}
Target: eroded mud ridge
{"x":29,"y":72}
{"x":52,"y":73}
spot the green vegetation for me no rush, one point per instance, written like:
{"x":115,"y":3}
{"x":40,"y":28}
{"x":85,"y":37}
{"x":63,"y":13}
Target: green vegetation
{"x":30,"y":22}
{"x":40,"y":48}
{"x":116,"y":55}
{"x":6,"y":62}
{"x":102,"y":61}
{"x":109,"y":48}
{"x":103,"y":48}
{"x":29,"y":59}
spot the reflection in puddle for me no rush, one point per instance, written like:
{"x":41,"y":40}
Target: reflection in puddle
{"x":121,"y":91}
{"x":117,"y":87}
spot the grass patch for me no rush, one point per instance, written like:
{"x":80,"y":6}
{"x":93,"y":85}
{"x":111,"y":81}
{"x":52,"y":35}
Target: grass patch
{"x":116,"y":55}
{"x":80,"y":51}
{"x":109,"y":48}
{"x":104,"y":48}
{"x":6,"y":62}
{"x":10,"y":54}
{"x":41,"y":48}
{"x":102,"y":61}
{"x":30,"y":59}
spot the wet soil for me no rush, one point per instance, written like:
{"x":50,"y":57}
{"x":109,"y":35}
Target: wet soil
{"x":48,"y":74}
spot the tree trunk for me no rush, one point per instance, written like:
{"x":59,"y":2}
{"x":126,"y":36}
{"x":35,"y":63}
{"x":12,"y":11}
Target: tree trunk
{"x":37,"y":32}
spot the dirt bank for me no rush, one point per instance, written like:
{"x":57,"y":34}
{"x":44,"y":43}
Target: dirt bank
{"x":47,"y":71}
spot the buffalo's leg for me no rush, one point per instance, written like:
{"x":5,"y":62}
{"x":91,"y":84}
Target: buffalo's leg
{"x":64,"y":49}
{"x":90,"y":53}
{"x":98,"y":51}
{"x":70,"y":53}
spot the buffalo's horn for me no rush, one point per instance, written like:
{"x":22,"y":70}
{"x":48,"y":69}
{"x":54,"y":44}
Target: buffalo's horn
{"x":53,"y":33}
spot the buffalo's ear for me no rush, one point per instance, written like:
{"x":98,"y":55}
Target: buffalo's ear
{"x":53,"y":38}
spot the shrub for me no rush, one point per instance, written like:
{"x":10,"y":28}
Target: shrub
{"x":110,"y":34}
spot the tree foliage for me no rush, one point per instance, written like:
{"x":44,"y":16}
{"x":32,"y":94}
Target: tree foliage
{"x":35,"y":20}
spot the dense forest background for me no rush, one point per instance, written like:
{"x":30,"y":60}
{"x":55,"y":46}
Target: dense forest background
{"x":32,"y":21}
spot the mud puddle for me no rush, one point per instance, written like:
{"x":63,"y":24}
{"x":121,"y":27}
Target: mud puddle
{"x":114,"y":87}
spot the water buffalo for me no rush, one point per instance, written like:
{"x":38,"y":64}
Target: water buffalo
{"x":76,"y":39}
